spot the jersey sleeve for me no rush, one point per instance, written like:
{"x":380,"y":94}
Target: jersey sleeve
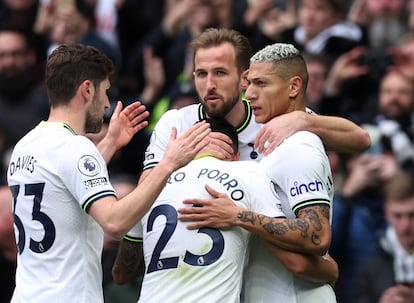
{"x":266,"y":200}
{"x":300,"y":169}
{"x":135,"y":234}
{"x":84,"y":173}
{"x":160,"y":138}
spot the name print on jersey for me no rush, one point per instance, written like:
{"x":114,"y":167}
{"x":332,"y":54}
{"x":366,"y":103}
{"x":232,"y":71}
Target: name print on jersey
{"x":26,"y":163}
{"x":230,"y":184}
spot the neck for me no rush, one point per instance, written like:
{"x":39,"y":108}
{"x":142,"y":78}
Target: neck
{"x":64,"y":114}
{"x":238,"y":114}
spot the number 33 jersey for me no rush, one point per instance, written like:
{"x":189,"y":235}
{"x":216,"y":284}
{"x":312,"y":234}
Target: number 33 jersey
{"x":55,"y":176}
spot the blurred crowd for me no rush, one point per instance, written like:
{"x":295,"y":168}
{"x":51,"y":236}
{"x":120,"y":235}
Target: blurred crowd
{"x":360,"y":58}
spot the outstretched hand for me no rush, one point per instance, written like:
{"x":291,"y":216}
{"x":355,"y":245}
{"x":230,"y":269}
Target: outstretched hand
{"x":125,"y":123}
{"x":218,"y":212}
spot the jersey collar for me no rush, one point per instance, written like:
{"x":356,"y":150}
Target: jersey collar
{"x":249,"y":114}
{"x":60,"y":124}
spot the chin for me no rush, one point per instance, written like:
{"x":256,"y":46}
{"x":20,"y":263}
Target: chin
{"x":260,"y":120}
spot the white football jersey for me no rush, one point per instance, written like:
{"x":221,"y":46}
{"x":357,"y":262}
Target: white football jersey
{"x":300,"y":169}
{"x":187,"y":116}
{"x":202,"y":265}
{"x":55,"y":176}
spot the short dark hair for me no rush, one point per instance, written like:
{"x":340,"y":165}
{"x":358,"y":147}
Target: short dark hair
{"x":217,"y":36}
{"x":221,"y":125}
{"x":71,"y":64}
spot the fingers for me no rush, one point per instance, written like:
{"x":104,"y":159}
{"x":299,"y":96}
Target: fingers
{"x":269,"y":148}
{"x":173,"y":135}
{"x":141,"y":116}
{"x":140,"y":126}
{"x":118,"y":109}
{"x":197,"y":202}
{"x":196,"y":134}
{"x":135,"y":111}
{"x":263,"y":143}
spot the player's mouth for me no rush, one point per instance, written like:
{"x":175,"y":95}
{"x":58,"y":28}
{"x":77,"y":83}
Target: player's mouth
{"x":256,"y":110}
{"x":212,"y":98}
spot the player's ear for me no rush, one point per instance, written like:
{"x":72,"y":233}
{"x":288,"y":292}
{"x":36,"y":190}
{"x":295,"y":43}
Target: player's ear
{"x":87,"y":89}
{"x":244,"y":82}
{"x":295,"y":86}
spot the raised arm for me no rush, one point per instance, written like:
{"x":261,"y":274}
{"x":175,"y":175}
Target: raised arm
{"x":337,"y":133}
{"x":124,"y":124}
{"x":117,"y":217}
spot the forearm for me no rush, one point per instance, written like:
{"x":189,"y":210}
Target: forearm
{"x":337,"y":133}
{"x":296,"y":235}
{"x":107,"y":149}
{"x":128,"y":262}
{"x":318,"y":269}
{"x":118,"y":217}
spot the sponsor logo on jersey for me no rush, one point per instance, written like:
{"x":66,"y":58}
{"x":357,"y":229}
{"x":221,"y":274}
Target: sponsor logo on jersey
{"x":95,"y":182}
{"x":89,"y":166}
{"x":303,"y":188}
{"x":149,"y":156}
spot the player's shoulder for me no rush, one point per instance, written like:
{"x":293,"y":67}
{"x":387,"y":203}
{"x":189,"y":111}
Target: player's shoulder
{"x":303,"y":137}
{"x":189,"y":113}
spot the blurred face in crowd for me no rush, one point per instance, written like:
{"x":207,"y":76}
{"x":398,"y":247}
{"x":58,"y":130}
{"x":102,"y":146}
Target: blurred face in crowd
{"x":315,"y":16}
{"x":202,"y":14}
{"x":20,"y":5}
{"x":15,"y":56}
{"x":16,"y":61}
{"x":380,"y":8}
{"x":317,"y":71}
{"x":400,"y":215}
{"x":217,"y":79}
{"x":396,"y":98}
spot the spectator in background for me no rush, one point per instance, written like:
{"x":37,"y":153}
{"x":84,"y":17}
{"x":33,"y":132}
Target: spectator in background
{"x":358,"y":215}
{"x":263,"y":21}
{"x":21,"y":90}
{"x":72,"y":21}
{"x":384,"y":21}
{"x":135,"y":20}
{"x":318,"y":68}
{"x":395,"y":121}
{"x":351,"y":87}
{"x":23,"y":13}
{"x":389,"y":277}
{"x":323,"y":29}
{"x":183,"y":20}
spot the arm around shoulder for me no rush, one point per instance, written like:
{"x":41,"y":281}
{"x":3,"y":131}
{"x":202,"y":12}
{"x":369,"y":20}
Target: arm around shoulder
{"x":337,"y":133}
